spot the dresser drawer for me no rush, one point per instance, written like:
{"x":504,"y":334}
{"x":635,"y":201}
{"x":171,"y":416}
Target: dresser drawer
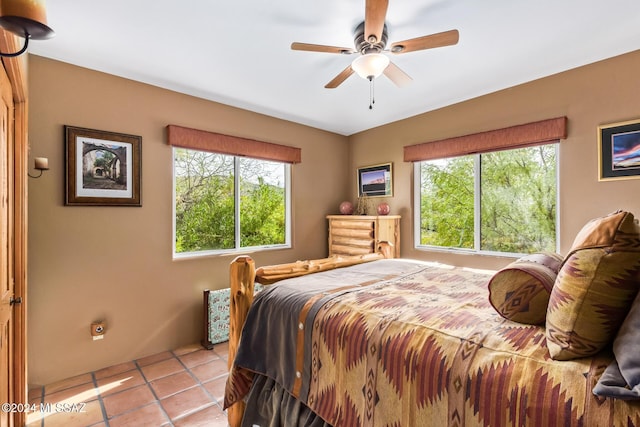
{"x":357,"y":224}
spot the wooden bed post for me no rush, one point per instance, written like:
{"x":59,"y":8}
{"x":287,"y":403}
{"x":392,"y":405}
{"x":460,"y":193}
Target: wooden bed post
{"x":242,"y":274}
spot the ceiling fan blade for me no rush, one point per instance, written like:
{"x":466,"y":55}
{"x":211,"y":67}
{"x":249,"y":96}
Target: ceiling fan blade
{"x":396,"y":75}
{"x":446,"y":38}
{"x":374,"y":15}
{"x":321,"y":48}
{"x":337,"y":80}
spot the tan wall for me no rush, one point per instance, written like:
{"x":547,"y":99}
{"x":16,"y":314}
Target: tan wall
{"x":601,"y":93}
{"x":114,"y":263}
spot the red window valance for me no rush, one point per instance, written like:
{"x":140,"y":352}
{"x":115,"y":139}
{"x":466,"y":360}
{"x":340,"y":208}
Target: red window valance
{"x":526,"y":135}
{"x":195,"y":139}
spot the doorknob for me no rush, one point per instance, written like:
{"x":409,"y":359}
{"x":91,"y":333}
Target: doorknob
{"x":14,"y":300}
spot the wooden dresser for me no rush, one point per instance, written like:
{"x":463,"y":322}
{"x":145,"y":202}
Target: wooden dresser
{"x":360,"y":234}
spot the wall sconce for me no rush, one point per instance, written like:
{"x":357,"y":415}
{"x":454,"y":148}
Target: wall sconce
{"x":41,"y":164}
{"x":24,"y":18}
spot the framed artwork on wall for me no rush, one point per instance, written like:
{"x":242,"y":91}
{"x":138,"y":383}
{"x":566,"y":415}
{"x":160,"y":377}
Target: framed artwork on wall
{"x":375,"y":181}
{"x":619,"y":151}
{"x":102,"y":168}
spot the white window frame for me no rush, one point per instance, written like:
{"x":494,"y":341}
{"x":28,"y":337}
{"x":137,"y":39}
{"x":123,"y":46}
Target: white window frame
{"x":237,"y":249}
{"x":417,"y":191}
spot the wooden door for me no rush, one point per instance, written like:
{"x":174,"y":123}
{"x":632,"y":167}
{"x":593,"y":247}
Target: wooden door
{"x":7,"y":248}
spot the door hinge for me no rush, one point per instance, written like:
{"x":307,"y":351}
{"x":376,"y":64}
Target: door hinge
{"x":15,"y":300}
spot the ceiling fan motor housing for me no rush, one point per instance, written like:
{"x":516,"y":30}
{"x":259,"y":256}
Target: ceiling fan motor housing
{"x":364,"y":46}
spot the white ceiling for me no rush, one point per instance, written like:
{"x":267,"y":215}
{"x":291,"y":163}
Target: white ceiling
{"x":237,"y":52}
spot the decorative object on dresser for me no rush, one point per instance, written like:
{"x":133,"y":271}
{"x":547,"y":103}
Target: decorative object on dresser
{"x":383,"y":208}
{"x":346,"y":208}
{"x":361,"y":234}
{"x":362,"y":206}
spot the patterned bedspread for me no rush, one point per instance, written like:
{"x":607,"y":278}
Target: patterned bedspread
{"x":399,"y":343}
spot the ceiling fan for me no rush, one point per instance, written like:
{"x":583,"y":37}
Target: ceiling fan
{"x":371,"y":40}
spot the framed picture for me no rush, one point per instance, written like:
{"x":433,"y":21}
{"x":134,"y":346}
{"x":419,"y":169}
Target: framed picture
{"x":102,"y":168}
{"x":375,"y":181}
{"x":619,"y":150}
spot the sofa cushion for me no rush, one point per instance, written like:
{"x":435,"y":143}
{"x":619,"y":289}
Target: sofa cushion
{"x":520,"y":291}
{"x":595,"y":287}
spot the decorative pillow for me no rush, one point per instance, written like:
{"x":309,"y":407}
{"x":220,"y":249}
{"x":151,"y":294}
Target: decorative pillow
{"x":596,"y":285}
{"x":520,"y":291}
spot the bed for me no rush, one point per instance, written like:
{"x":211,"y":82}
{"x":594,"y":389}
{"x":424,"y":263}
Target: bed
{"x":374,"y":341}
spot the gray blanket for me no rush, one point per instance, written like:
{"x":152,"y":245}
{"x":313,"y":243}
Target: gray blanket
{"x":621,"y":379}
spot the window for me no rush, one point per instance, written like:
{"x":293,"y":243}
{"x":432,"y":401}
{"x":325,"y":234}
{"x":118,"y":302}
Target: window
{"x":501,"y":202}
{"x":226,"y":203}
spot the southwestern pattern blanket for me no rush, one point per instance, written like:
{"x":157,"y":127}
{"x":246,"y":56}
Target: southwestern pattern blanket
{"x":402,"y":343}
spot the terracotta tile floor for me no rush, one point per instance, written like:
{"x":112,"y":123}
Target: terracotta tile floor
{"x":180,"y":388}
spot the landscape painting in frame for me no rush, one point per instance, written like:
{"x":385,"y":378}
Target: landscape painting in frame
{"x":619,"y":150}
{"x":102,"y":168}
{"x":375,"y":181}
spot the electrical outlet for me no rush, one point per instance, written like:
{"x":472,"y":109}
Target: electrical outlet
{"x":98,"y":329}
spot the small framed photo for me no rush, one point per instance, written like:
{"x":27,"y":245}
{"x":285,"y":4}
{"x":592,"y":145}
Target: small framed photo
{"x":619,"y":150}
{"x":102,"y":168}
{"x":375,"y":181}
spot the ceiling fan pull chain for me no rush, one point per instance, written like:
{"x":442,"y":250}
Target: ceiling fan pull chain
{"x":372,"y":99}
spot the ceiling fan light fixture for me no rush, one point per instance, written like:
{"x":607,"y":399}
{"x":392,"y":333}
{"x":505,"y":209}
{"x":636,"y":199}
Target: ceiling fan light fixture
{"x":370,"y":66}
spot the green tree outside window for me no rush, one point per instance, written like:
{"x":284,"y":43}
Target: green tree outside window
{"x":206,"y":215}
{"x":515,"y":207}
